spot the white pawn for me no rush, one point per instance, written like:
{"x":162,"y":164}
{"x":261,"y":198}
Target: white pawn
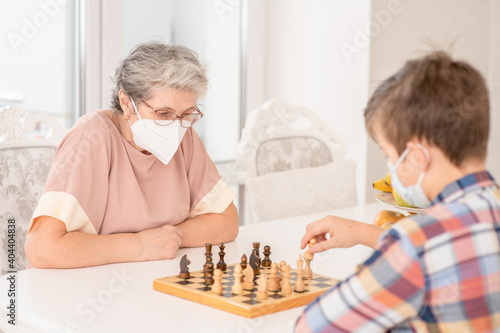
{"x":273,"y":278}
{"x":299,"y":283}
{"x":286,"y":286}
{"x":262,"y":287}
{"x":282,"y":272}
{"x":217,"y":286}
{"x":237,"y":288}
{"x":282,"y":266}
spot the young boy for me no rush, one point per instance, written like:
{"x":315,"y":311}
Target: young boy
{"x":436,"y":271}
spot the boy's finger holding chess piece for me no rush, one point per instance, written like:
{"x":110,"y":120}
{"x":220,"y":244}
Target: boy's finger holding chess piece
{"x":337,"y":232}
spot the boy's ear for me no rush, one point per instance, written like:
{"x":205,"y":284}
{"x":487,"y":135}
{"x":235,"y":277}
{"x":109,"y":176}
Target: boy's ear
{"x":420,"y":152}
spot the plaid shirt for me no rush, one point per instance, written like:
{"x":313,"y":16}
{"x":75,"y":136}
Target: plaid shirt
{"x":434,"y":272}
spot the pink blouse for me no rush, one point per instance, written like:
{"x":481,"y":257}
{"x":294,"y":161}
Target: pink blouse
{"x":100,"y":184}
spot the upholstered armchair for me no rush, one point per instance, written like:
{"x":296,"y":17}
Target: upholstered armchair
{"x":27,"y":145}
{"x":293,"y":164}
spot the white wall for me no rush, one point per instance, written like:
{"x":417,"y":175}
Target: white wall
{"x":37,"y":60}
{"x":463,"y":27}
{"x":494,"y":82}
{"x":204,"y":26}
{"x":299,"y":60}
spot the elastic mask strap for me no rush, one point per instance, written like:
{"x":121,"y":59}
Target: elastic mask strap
{"x":135,"y":108}
{"x":426,"y":152}
{"x":402,"y":157}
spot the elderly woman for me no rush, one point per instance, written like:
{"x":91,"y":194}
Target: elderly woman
{"x":135,"y":183}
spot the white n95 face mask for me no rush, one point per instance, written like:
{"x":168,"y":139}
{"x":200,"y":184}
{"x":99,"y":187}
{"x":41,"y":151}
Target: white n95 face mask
{"x":161,"y":141}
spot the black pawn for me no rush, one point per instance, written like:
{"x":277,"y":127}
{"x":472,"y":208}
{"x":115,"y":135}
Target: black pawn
{"x":266,"y":262}
{"x":243,"y":262}
{"x":209,"y":275}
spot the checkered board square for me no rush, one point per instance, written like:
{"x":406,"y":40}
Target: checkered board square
{"x":246,"y":304}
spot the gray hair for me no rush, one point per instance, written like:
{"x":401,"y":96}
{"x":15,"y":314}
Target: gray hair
{"x":155,"y":65}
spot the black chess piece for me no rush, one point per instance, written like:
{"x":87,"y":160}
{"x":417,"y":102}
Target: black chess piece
{"x":254,"y":262}
{"x":184,"y":274}
{"x":221,"y":264}
{"x":208,"y":255}
{"x":243,"y":262}
{"x":256,"y":246}
{"x":209,"y":274}
{"x":266,"y":262}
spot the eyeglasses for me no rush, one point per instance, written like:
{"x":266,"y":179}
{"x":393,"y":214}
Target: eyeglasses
{"x":165,"y":118}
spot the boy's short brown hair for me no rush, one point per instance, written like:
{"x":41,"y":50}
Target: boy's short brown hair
{"x":437,"y":99}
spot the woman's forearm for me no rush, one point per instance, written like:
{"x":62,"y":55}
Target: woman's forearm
{"x":49,"y":245}
{"x":210,"y":228}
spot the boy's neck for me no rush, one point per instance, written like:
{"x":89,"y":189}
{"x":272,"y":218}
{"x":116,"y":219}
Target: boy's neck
{"x":443,"y":173}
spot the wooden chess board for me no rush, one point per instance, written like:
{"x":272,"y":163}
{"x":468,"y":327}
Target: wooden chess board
{"x":246,"y":304}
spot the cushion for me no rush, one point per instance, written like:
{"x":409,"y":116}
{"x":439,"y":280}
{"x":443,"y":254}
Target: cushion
{"x":302,"y":191}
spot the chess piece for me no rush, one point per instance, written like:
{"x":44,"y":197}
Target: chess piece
{"x":243,"y":261}
{"x":221,"y":264}
{"x":282,"y":271}
{"x":307,"y":274}
{"x":209,"y":274}
{"x":262,"y":287}
{"x":208,"y":256}
{"x":237,"y":287}
{"x":256,"y":246}
{"x":248,"y":278}
{"x":286,"y":286}
{"x":266,"y":262}
{"x":273,"y":278}
{"x":299,"y":285}
{"x":308,"y":257}
{"x":184,"y":274}
{"x":217,"y":286}
{"x":254,"y":262}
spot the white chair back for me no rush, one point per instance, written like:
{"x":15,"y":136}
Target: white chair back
{"x":292,"y":163}
{"x":28,"y":143}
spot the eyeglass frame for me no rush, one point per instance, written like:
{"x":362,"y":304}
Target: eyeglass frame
{"x":201,"y":114}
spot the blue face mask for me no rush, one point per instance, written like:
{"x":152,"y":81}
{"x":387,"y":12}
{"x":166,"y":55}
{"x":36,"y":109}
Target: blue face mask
{"x":414,"y":195}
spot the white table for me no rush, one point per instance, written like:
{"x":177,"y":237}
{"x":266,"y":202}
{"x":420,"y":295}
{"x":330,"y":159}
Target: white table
{"x":121,"y":298}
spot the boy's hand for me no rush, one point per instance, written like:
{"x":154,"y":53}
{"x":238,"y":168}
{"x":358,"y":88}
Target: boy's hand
{"x":332,"y":232}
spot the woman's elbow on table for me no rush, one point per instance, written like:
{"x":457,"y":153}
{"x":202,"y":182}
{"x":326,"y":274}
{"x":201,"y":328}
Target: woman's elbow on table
{"x":41,"y":245}
{"x":233,"y":224}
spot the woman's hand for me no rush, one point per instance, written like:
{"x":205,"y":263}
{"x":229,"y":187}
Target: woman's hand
{"x":160,"y":243}
{"x":332,"y":232}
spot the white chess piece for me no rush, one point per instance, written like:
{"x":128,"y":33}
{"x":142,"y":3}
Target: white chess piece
{"x":237,"y":288}
{"x":217,"y":286}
